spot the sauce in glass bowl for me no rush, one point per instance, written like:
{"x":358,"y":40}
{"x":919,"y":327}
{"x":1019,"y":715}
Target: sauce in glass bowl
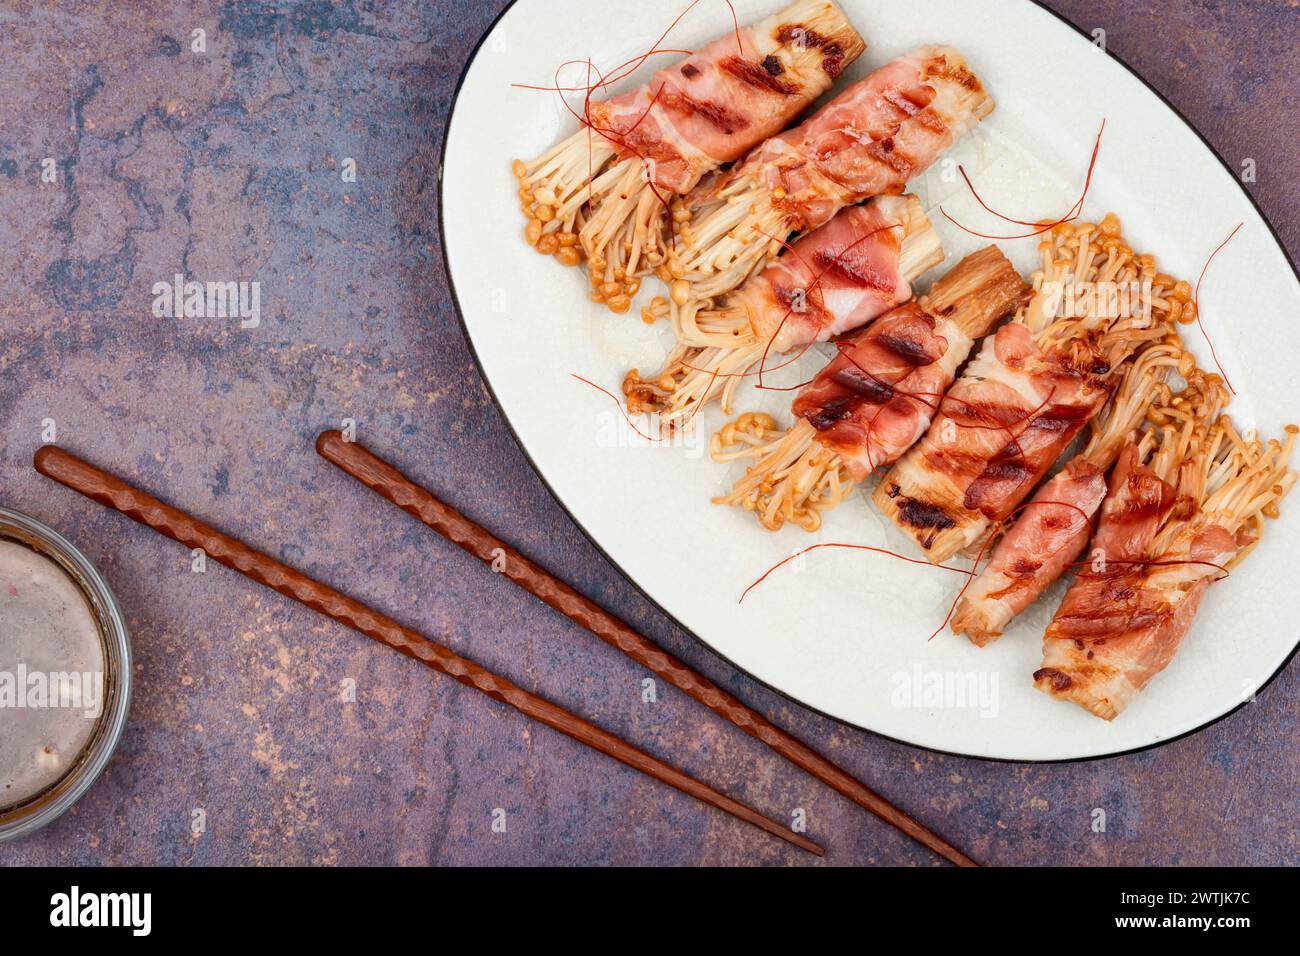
{"x":65,"y":674}
{"x":51,"y":673}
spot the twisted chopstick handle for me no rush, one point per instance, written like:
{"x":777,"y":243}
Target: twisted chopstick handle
{"x":98,"y":485}
{"x":387,"y":481}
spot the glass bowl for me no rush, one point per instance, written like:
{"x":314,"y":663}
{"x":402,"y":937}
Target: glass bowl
{"x":31,"y":814}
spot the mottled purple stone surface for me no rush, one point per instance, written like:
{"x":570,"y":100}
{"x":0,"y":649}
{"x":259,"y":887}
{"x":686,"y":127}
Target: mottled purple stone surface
{"x":226,"y":164}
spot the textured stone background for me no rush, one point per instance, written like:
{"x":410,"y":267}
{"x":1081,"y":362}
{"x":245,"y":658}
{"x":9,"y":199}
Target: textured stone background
{"x":226,"y":165}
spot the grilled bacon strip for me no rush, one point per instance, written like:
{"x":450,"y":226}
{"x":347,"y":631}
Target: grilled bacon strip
{"x":722,"y":100}
{"x":602,"y":193}
{"x":1054,"y":526}
{"x":1170,"y":527}
{"x":875,"y":136}
{"x":854,"y":268}
{"x":1050,"y":534}
{"x":875,"y":398}
{"x":842,"y":276}
{"x":869,"y":141}
{"x":1004,"y":423}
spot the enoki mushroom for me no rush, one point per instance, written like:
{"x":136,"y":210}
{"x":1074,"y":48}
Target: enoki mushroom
{"x":1233,"y":482}
{"x":794,"y":479}
{"x":582,"y":201}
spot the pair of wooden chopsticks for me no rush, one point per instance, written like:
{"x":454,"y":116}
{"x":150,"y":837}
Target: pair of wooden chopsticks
{"x":387,"y":481}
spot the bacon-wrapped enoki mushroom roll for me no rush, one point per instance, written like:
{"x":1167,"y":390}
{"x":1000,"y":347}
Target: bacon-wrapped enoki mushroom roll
{"x":1184,"y":506}
{"x":857,"y":266}
{"x":603,"y":193}
{"x":1031,"y":388}
{"x":874,"y":399}
{"x":869,"y":141}
{"x":1054,"y":526}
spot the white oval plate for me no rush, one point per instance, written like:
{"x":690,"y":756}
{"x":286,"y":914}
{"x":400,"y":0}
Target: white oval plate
{"x":846,"y":633}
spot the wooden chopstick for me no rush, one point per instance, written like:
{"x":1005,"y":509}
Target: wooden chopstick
{"x":107,"y":489}
{"x":383,"y":478}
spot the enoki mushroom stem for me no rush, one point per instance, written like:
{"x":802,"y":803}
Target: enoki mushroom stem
{"x":794,"y":478}
{"x":1220,"y":479}
{"x":729,"y":237}
{"x":583,"y":203}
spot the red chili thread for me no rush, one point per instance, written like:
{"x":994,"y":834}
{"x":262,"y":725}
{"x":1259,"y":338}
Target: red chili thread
{"x":740,"y":45}
{"x":974,"y":571}
{"x":1196,"y":298}
{"x":1153,"y":563}
{"x":628,"y":67}
{"x":622,"y":411}
{"x":698,"y":405}
{"x":871,"y":431}
{"x":1075,"y":211}
{"x":840,"y":544}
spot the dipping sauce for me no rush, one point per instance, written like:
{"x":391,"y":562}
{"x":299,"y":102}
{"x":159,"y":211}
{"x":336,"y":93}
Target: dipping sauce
{"x":52,"y":668}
